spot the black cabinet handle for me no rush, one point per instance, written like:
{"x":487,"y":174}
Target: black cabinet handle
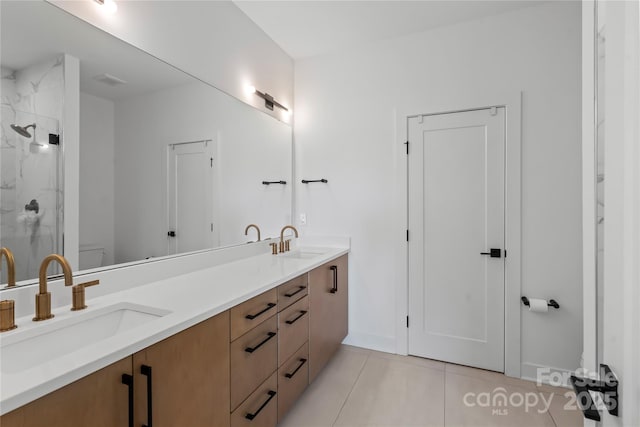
{"x":128,"y":381}
{"x":253,"y":316}
{"x":292,"y":321}
{"x":146,"y":371}
{"x":334,"y":269}
{"x":252,"y":349}
{"x":300,"y":289}
{"x":302,"y":362}
{"x":271,"y":394}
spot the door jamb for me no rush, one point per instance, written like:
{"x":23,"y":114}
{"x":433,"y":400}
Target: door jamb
{"x":512,"y":101}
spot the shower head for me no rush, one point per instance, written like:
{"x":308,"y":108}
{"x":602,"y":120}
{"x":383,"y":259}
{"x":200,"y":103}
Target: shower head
{"x":23,"y":130}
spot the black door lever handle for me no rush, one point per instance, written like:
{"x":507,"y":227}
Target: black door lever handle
{"x":494,"y":253}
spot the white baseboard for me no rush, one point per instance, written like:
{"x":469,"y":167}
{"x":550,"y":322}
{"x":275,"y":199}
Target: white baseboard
{"x":371,"y":342}
{"x":546,"y":375}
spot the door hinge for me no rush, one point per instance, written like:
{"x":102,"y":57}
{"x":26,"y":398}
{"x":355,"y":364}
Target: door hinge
{"x":407,"y":144}
{"x":407,"y":235}
{"x":212,"y":227}
{"x":505,"y":253}
{"x":407,"y":321}
{"x":212,"y":162}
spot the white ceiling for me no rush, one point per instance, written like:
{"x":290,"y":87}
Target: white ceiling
{"x":305,"y":28}
{"x":32,"y":31}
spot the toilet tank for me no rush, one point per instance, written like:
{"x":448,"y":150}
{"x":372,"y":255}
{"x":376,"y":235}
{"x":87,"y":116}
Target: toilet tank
{"x":91,"y":256}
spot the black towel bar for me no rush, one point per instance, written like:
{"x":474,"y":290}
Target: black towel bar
{"x":306,"y":181}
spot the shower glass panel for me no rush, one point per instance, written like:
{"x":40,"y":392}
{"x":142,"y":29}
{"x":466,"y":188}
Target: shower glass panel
{"x":30,"y":167}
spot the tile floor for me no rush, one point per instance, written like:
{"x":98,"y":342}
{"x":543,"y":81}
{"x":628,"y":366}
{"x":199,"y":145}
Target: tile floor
{"x":361,"y":387}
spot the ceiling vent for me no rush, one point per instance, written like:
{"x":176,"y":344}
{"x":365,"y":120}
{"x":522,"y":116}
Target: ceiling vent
{"x":109,"y":80}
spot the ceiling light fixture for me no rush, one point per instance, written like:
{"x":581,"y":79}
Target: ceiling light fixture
{"x":109,"y":6}
{"x":269,"y":102}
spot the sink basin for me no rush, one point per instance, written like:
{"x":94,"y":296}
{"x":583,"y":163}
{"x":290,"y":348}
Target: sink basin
{"x":303,"y":253}
{"x":41,"y":344}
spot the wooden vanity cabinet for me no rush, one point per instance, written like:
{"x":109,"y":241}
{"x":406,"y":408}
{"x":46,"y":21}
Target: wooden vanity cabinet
{"x":246,"y":366}
{"x":185,"y":378}
{"x":328,"y":309}
{"x":99,"y":399}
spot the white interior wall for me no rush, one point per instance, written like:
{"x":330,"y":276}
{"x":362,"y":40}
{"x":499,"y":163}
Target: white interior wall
{"x":212,"y":40}
{"x":96,"y":197}
{"x":345,"y":132}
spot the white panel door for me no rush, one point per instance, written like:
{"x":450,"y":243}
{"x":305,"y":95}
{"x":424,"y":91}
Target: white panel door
{"x":456,"y":213}
{"x":190,"y":183}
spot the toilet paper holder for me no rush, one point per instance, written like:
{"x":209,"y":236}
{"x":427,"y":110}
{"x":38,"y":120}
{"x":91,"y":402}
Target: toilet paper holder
{"x":551,"y":303}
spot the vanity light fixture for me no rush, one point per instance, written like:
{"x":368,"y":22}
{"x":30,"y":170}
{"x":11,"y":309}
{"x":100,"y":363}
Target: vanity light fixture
{"x":109,"y":6}
{"x":269,"y":102}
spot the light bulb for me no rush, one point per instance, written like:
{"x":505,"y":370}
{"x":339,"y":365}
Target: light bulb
{"x":108,"y":6}
{"x":251,"y":89}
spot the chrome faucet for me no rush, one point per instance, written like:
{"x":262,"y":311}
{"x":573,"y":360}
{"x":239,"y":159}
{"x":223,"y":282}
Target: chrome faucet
{"x":246,"y":230}
{"x":43,"y":298}
{"x":11,"y":266}
{"x":284,"y":245}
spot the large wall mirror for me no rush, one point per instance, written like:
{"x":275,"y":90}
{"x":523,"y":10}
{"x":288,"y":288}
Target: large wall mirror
{"x":168,"y":164}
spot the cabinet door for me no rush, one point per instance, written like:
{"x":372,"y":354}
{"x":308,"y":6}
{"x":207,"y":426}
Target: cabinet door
{"x":328,"y":309}
{"x":189,"y":375}
{"x":97,"y":400}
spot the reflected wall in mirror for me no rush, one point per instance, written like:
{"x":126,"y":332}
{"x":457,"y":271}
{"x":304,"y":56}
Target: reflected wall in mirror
{"x":168,"y":164}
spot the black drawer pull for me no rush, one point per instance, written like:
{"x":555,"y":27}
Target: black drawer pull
{"x":300,"y":289}
{"x":253,"y":316}
{"x":252,"y":349}
{"x":128,"y":381}
{"x":292,"y":321}
{"x":334,"y":270}
{"x":271,"y":394}
{"x":302,"y":362}
{"x":146,"y":371}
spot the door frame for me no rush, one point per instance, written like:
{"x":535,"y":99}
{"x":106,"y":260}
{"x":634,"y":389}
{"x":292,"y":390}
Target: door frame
{"x":512,"y":102}
{"x":213,"y":149}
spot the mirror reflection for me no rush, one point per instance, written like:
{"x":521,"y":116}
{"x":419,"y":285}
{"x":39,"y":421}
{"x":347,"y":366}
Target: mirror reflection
{"x":163,"y":165}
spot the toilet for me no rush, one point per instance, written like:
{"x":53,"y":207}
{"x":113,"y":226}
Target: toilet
{"x":90,"y":256}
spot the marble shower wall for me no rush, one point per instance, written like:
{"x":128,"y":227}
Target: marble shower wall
{"x":30,"y":168}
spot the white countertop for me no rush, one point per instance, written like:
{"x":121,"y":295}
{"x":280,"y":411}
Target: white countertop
{"x":191,"y":298}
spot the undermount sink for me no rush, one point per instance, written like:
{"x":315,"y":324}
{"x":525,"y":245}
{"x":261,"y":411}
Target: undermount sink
{"x":20,"y":351}
{"x":304,"y":253}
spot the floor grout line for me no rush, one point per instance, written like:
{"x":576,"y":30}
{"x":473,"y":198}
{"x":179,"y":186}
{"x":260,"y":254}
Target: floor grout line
{"x":351,"y":391}
{"x":444,"y":396}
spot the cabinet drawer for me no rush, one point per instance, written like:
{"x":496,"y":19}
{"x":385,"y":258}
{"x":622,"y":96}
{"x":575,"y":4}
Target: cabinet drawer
{"x":293,"y":329}
{"x":293,"y":377}
{"x":292,"y":291}
{"x":261,"y":406}
{"x":250,"y":314}
{"x":254,"y":356}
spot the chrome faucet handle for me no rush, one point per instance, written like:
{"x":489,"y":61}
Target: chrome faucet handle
{"x":78,"y":294}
